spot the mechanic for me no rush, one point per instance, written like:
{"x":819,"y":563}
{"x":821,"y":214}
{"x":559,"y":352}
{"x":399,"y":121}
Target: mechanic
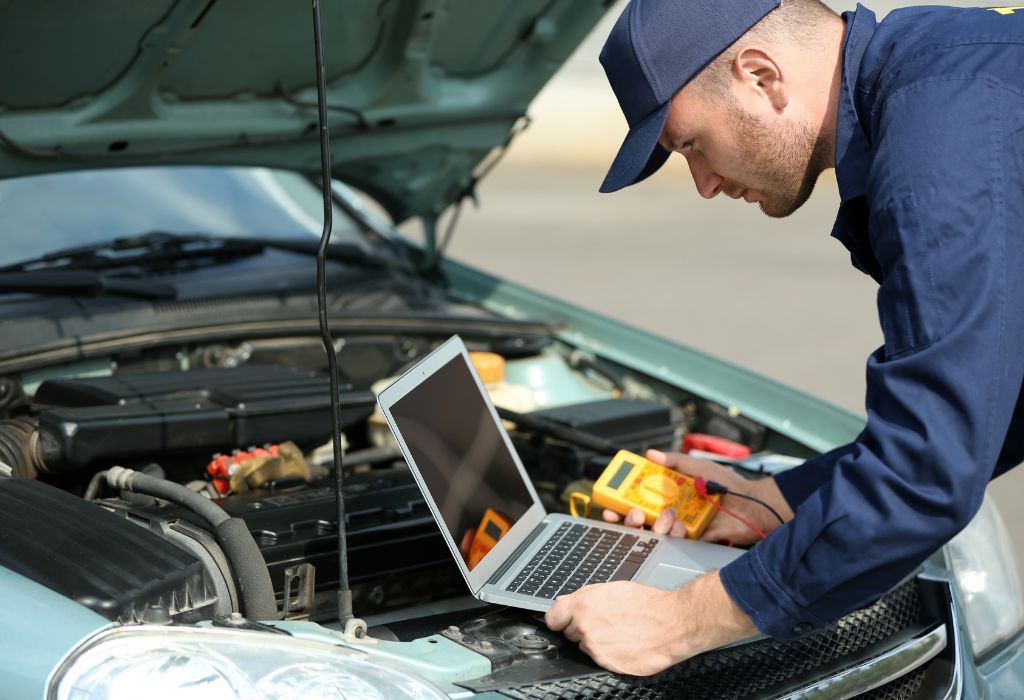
{"x":922,"y":116}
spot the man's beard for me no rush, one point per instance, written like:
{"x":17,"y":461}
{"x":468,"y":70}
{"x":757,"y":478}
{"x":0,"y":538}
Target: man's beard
{"x":787,"y":160}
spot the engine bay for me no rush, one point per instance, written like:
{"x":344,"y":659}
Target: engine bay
{"x":246,"y":426}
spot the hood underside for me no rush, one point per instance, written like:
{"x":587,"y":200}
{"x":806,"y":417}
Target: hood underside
{"x":419,"y":92}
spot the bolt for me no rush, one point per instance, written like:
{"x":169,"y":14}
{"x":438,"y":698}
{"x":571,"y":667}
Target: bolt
{"x":486,"y":646}
{"x":454,"y":631}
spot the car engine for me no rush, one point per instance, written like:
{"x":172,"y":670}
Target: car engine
{"x":246,"y":428}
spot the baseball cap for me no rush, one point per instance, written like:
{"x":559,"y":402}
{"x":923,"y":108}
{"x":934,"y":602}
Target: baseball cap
{"x":655,"y":48}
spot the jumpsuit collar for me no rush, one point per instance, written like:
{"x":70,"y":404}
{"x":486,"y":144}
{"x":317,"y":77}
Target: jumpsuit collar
{"x":853,"y":157}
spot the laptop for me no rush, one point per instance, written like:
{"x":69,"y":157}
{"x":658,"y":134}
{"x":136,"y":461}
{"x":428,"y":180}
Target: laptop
{"x":464,"y":463}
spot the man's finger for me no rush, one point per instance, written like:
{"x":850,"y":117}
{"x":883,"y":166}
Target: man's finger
{"x":691,"y":466}
{"x":663,"y":523}
{"x":610,"y":516}
{"x":559,"y":615}
{"x":678,"y":529}
{"x":635,"y":518}
{"x":572,"y":633}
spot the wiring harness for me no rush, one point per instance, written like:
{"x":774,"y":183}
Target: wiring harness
{"x":706,"y":489}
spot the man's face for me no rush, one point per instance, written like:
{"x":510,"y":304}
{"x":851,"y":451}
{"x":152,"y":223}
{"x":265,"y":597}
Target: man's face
{"x":759,"y":156}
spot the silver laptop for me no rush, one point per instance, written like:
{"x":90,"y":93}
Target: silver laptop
{"x":466,"y":467}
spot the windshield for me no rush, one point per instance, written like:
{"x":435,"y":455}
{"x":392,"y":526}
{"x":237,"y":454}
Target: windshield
{"x":44,"y":213}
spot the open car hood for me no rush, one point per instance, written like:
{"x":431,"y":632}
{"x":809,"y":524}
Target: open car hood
{"x":420,"y":91}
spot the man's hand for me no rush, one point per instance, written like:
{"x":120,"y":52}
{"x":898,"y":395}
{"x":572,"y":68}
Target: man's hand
{"x":634,"y":629}
{"x":723,"y":528}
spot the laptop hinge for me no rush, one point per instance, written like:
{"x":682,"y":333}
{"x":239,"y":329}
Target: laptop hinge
{"x":514,"y":557}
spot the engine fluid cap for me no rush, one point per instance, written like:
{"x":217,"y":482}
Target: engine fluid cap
{"x":490,"y":366}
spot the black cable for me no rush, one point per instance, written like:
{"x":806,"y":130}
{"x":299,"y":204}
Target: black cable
{"x":344,"y":592}
{"x":291,"y":99}
{"x":715,"y":487}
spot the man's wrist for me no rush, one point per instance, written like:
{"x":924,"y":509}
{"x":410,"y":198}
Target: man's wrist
{"x":708,"y":618}
{"x":768,"y":491}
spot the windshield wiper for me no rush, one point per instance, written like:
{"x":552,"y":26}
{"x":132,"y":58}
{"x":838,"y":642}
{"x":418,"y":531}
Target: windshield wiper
{"x":76,"y":283}
{"x":159,"y":249}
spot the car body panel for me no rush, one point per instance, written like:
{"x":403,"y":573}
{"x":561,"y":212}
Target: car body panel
{"x":423,"y":90}
{"x":807,"y":420}
{"x":40,"y":627}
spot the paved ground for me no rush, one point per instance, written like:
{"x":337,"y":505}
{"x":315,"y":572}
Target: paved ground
{"x":776,"y":296}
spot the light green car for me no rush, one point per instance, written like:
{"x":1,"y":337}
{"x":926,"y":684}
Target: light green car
{"x":168,"y":522}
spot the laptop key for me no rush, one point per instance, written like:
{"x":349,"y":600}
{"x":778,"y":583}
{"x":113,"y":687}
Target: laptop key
{"x":549,"y":591}
{"x":626,"y":571}
{"x":570,"y":588}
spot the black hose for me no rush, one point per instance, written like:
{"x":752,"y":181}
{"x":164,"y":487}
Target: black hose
{"x":244,"y":557}
{"x":250,"y":569}
{"x":578,"y":360}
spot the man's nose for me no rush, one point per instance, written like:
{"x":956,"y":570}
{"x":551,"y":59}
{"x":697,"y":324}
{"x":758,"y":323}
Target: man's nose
{"x":708,"y":183}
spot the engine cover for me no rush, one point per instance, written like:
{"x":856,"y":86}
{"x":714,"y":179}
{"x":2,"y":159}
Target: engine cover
{"x":120,"y":570}
{"x":88,"y":421}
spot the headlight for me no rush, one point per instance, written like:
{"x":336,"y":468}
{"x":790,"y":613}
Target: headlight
{"x":161,"y":663}
{"x":988,"y":579}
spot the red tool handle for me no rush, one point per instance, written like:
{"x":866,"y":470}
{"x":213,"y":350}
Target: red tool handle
{"x":713,"y":443}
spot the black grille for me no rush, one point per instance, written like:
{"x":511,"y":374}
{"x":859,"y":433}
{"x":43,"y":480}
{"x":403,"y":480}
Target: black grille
{"x":900,"y":689}
{"x":756,"y":669}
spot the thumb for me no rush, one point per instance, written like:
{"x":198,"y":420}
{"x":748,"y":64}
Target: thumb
{"x":559,"y":615}
{"x":691,"y":466}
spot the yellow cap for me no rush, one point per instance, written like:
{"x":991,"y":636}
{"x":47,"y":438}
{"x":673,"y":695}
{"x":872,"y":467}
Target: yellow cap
{"x":490,"y":366}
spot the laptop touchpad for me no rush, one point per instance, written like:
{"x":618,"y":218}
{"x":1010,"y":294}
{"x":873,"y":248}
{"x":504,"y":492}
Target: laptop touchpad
{"x":669,"y":577}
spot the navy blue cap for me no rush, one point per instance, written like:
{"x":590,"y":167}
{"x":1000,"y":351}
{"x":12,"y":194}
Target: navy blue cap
{"x":655,"y":48}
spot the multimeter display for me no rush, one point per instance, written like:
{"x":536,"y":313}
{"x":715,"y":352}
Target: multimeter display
{"x":620,"y":475}
{"x":630,"y":481}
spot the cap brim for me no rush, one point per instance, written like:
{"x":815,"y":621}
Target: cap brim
{"x":640,"y":154}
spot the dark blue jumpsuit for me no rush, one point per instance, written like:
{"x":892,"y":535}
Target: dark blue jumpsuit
{"x":930,"y":165}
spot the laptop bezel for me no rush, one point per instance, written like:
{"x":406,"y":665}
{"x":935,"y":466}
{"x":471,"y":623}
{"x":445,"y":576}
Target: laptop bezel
{"x":484,"y":571}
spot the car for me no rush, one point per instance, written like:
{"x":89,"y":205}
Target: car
{"x":168,"y":512}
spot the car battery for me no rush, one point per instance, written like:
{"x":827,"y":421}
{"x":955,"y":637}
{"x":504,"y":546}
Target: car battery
{"x":631,"y":424}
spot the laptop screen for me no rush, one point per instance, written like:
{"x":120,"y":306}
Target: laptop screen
{"x":461,"y":455}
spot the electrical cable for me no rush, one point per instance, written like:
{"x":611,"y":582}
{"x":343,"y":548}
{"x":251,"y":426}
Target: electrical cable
{"x":344,"y":592}
{"x":713,"y":487}
{"x":743,"y":520}
{"x":701,"y":485}
{"x":760,"y":503}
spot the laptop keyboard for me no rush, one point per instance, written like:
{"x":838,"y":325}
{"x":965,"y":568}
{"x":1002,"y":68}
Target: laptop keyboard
{"x":576,"y":555}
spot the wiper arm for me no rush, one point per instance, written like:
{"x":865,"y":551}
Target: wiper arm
{"x":147,"y":250}
{"x":77,"y":283}
{"x":151,"y":250}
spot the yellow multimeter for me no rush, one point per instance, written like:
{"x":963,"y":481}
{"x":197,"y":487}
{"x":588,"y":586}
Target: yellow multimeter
{"x":492,"y":528}
{"x":630,"y":481}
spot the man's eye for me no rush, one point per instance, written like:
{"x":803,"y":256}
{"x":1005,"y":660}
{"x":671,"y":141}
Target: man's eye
{"x":686,"y":145}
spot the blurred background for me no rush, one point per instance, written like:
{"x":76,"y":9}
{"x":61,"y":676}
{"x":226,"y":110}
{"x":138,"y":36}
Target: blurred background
{"x":775,"y":296}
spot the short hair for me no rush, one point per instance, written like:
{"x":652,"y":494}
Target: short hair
{"x":795,"y":22}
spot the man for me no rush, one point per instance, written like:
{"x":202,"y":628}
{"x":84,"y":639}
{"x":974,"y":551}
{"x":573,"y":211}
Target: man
{"x":922,"y":115}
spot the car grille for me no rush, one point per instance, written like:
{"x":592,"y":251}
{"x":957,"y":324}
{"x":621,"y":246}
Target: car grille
{"x":899,"y":689}
{"x":764,"y":668}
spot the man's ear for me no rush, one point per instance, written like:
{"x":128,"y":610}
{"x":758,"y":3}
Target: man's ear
{"x":759,"y":75}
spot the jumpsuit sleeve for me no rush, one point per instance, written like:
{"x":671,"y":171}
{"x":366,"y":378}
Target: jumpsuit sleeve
{"x":942,"y":390}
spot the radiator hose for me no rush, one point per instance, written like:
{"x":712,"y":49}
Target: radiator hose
{"x":244,"y":557}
